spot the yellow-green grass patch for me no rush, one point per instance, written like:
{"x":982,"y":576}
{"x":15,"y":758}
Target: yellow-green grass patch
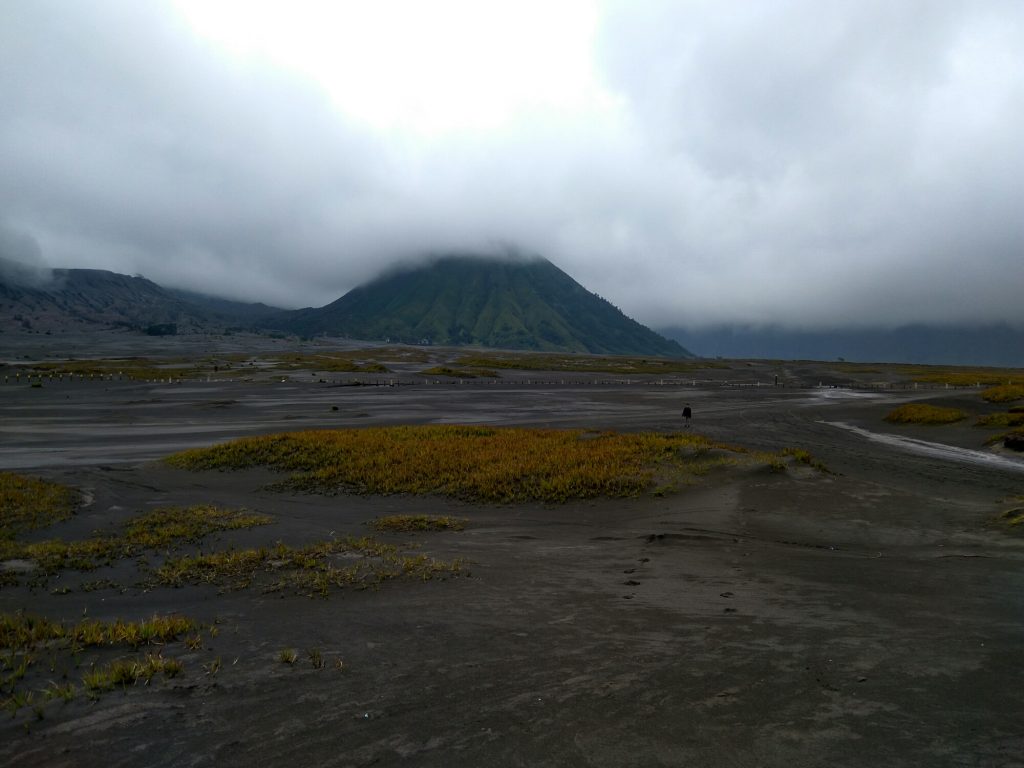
{"x":413,"y":523}
{"x":169,"y":525}
{"x":159,"y":529}
{"x":27,"y":631}
{"x":805,"y":457}
{"x":313,"y":569}
{"x":1013,"y":517}
{"x":128,"y":368}
{"x":326,"y":363}
{"x":1013,"y":434}
{"x":585,"y":363}
{"x":459,"y":373}
{"x":502,"y":465}
{"x":121,"y":673}
{"x":781,"y":461}
{"x":1001,"y":420}
{"x":959,"y":377}
{"x":921,"y":413}
{"x":29,"y":503}
{"x":145,"y":368}
{"x":27,"y":639}
{"x":1004,"y":393}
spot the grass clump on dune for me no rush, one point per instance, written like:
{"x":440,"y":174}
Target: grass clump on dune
{"x":477,"y":463}
{"x":920,"y":413}
{"x":28,"y":503}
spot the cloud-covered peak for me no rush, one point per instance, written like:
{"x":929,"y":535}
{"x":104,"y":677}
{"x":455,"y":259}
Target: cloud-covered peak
{"x":799,"y":163}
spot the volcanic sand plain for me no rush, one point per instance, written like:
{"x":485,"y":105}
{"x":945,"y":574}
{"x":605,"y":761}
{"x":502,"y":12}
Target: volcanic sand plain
{"x":871,"y":614}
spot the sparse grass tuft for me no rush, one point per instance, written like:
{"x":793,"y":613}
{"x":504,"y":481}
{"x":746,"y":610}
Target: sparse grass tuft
{"x":409,"y":523}
{"x":920,"y":413}
{"x":28,"y":503}
{"x":124,"y":672}
{"x":288,"y":656}
{"x":65,"y":692}
{"x":1013,"y":517}
{"x":774,"y":462}
{"x":804,"y":457}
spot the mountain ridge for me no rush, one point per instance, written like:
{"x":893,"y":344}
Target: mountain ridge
{"x":463,"y":299}
{"x":453,"y":300}
{"x":62,"y":299}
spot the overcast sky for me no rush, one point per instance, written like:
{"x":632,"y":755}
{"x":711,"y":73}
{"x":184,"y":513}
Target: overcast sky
{"x":812,"y":163}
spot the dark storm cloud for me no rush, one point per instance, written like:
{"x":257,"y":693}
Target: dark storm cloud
{"x":803,"y":163}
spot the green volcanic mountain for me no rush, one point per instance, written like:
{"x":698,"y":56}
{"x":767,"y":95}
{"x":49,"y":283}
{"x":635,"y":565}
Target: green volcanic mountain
{"x":509,"y":303}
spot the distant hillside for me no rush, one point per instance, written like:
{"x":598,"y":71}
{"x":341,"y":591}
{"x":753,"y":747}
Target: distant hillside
{"x":80,"y":299}
{"x":993,"y":345}
{"x":227,"y":309}
{"x":503,"y":303}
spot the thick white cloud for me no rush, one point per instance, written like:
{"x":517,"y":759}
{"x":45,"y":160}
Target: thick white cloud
{"x":803,"y":163}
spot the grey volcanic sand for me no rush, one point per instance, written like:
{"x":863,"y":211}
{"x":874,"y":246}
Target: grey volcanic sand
{"x":874,"y":617}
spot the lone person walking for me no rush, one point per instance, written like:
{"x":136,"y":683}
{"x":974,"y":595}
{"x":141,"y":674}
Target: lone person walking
{"x":687,"y":413}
